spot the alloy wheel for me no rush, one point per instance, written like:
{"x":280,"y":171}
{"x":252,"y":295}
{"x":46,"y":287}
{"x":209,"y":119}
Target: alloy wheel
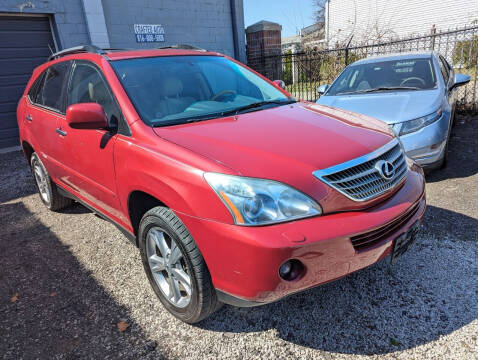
{"x":41,"y":180}
{"x":168,"y":266}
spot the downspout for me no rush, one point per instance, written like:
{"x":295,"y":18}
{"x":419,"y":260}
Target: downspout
{"x":232,"y":3}
{"x":327,"y":22}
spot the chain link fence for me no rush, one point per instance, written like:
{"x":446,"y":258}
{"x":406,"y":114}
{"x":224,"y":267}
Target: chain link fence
{"x":304,"y":72}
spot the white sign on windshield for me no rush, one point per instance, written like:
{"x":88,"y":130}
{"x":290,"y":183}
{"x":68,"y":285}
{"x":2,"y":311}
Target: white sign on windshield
{"x":149,"y":32}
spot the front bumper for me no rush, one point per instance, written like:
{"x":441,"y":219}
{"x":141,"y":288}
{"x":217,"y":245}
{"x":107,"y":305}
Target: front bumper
{"x":244,"y":261}
{"x":428,"y":156}
{"x":427,"y":146}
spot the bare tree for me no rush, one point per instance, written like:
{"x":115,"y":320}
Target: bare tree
{"x":319,"y":13}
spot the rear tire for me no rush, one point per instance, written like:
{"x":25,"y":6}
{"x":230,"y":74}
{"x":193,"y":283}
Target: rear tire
{"x":47,"y":189}
{"x":175,"y":267}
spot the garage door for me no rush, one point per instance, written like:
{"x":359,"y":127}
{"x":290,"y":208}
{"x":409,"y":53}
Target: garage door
{"x":24,"y":42}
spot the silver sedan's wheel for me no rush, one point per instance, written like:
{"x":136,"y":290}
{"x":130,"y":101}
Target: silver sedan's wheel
{"x":42,"y":183}
{"x":168,"y":267}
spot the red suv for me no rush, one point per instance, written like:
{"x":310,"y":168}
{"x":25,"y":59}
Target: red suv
{"x":234,"y":191}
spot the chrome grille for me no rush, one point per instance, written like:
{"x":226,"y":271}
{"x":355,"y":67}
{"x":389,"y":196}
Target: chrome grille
{"x":359,"y":180}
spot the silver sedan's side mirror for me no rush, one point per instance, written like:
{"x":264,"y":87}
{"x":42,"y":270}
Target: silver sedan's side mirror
{"x":322,"y":89}
{"x":460,"y":79}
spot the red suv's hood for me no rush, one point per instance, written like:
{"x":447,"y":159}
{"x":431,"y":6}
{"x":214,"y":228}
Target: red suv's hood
{"x":286,"y":143}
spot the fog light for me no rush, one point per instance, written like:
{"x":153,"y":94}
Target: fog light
{"x":290,"y":270}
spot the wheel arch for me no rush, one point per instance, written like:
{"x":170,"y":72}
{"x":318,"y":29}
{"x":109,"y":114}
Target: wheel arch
{"x":139,"y":202}
{"x":27,"y":150}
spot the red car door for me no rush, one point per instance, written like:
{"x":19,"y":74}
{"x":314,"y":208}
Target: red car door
{"x":87,"y":155}
{"x":43,"y":108}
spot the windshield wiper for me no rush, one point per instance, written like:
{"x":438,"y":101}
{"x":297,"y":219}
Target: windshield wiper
{"x":187,"y":120}
{"x":381,"y":88}
{"x":222,"y":113}
{"x":385,"y":88}
{"x":256,"y":105}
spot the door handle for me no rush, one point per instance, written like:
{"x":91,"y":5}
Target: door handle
{"x":29,"y":118}
{"x":61,"y":132}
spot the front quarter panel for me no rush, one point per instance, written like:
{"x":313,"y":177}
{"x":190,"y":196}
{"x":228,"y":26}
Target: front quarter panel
{"x":168,"y":172}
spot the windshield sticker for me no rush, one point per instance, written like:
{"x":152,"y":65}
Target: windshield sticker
{"x":404,"y":70}
{"x":405,"y":63}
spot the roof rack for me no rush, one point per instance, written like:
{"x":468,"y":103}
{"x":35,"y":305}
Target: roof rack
{"x":182,"y":47}
{"x":115,"y":49}
{"x":76,"y":50}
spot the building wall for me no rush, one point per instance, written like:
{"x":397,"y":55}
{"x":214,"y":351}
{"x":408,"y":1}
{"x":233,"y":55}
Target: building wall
{"x":30,"y":29}
{"x":370,"y":19}
{"x":203,"y":23}
{"x":67,"y":15}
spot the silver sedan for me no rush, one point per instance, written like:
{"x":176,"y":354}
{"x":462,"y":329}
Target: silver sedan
{"x":415,"y":93}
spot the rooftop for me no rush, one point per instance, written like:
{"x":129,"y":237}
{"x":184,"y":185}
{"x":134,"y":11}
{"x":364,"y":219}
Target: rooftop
{"x":117,"y":54}
{"x":263,"y":25}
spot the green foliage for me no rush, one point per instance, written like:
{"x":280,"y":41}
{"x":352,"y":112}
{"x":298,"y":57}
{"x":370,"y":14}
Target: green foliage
{"x":466,"y":53}
{"x":287,"y":69}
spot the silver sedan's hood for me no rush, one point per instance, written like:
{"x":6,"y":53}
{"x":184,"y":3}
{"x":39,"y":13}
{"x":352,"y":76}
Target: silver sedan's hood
{"x":391,"y":107}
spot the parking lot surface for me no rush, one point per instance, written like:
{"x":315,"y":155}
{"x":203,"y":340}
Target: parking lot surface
{"x":67,"y":279}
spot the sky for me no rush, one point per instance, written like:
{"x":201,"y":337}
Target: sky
{"x":291,"y":14}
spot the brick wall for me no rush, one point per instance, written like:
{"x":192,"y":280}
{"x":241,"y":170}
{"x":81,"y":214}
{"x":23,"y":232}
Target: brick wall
{"x":263,"y":41}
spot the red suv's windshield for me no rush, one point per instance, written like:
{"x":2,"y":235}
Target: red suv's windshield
{"x":175,"y":89}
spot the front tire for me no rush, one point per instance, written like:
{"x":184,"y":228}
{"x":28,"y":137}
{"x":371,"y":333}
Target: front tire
{"x":47,"y":189}
{"x":175,"y":267}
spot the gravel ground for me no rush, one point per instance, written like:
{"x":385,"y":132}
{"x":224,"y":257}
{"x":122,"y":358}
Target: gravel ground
{"x":67,"y":279}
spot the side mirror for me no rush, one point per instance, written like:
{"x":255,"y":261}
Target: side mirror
{"x":279,"y":83}
{"x":460,"y":79}
{"x":86,"y":116}
{"x":322,"y":89}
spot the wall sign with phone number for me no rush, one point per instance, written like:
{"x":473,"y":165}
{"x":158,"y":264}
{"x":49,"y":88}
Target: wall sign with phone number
{"x":146,"y":33}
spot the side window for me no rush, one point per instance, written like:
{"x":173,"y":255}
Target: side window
{"x":447,"y":64}
{"x":34,"y":88}
{"x":87,"y":85}
{"x":50,"y":93}
{"x":444,"y":69}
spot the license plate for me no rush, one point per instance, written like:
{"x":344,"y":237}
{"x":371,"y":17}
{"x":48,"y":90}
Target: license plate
{"x":403,"y":242}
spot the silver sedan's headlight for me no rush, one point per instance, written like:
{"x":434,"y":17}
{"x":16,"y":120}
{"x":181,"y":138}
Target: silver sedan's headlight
{"x":254,"y":201}
{"x":408,"y":127}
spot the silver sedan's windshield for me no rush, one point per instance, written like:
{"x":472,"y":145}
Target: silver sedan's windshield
{"x":402,"y":74}
{"x":177,"y":89}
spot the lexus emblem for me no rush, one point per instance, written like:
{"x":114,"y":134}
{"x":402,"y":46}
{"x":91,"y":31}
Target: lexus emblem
{"x":385,"y":169}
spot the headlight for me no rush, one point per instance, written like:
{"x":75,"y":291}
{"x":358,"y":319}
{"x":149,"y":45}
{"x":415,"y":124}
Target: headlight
{"x":408,"y":127}
{"x":258,"y":201}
